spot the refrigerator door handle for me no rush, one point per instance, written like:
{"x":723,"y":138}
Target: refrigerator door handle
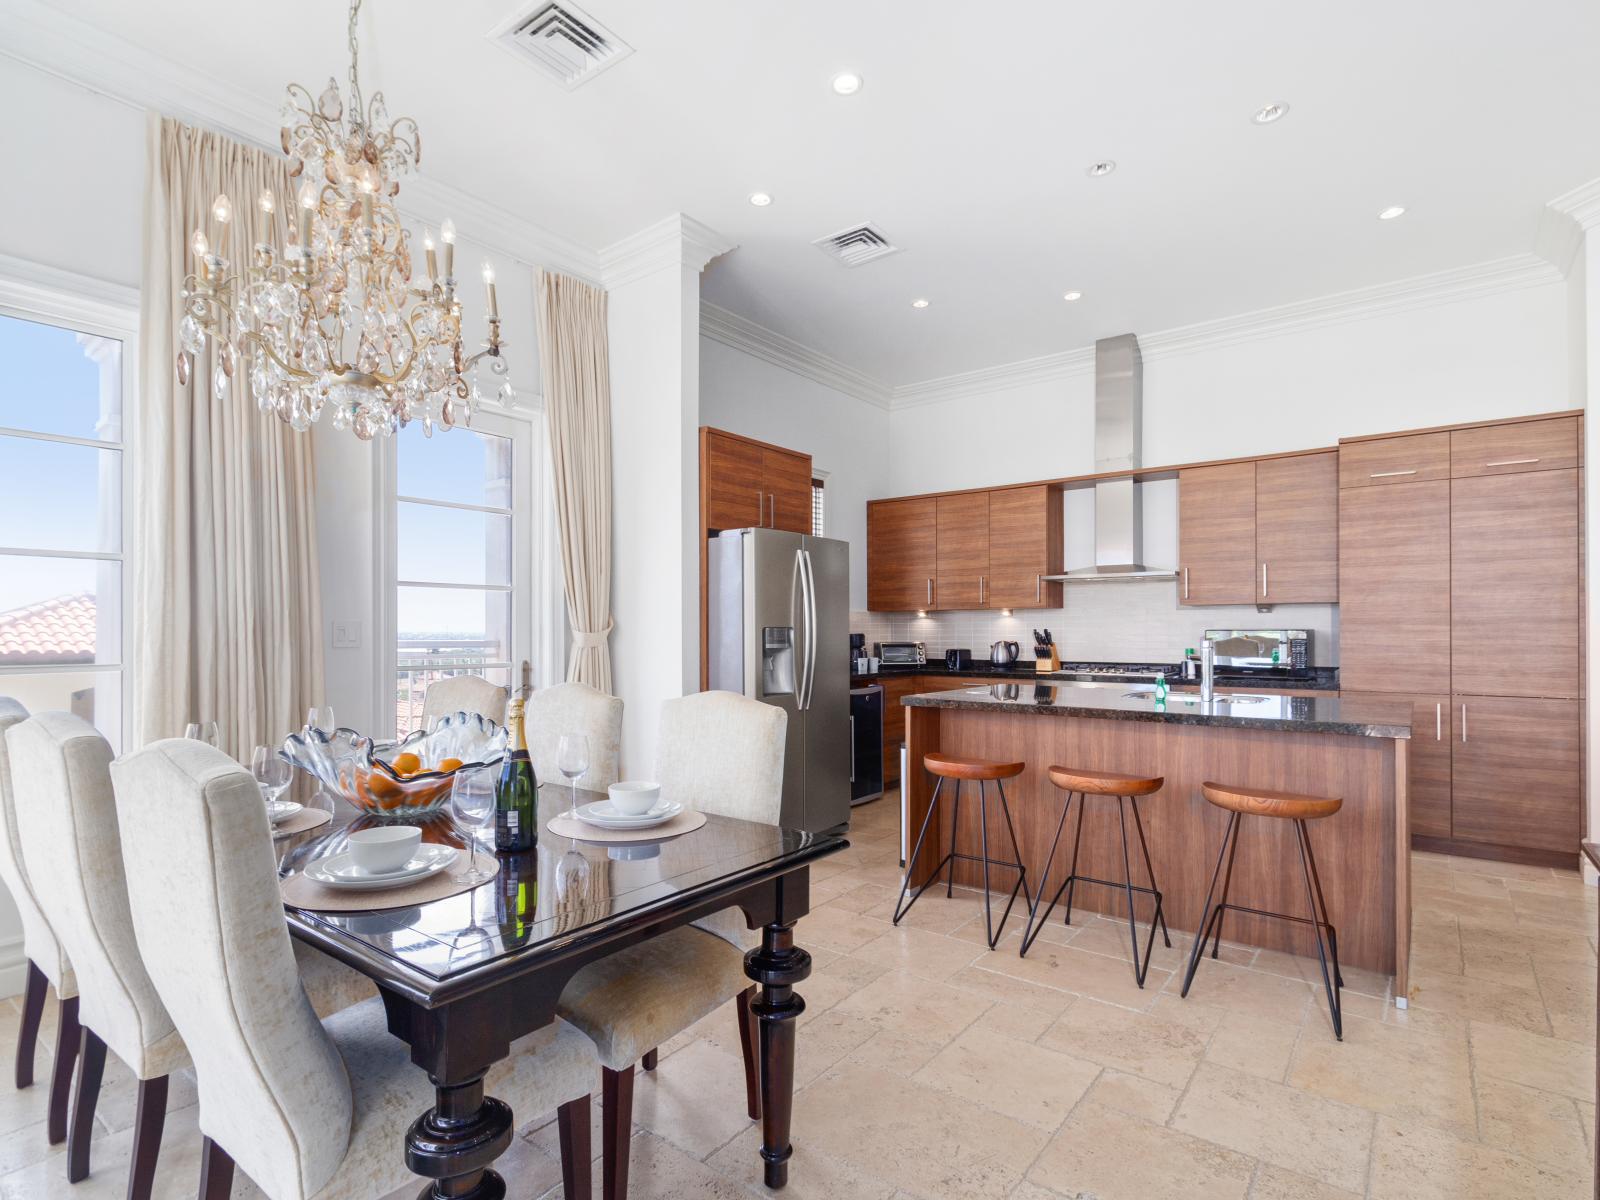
{"x":808,"y":585}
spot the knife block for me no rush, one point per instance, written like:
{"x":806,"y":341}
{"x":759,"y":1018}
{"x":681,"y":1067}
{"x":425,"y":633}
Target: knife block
{"x":1045,"y":665}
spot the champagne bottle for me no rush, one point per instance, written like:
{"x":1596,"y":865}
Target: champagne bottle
{"x":516,"y":816}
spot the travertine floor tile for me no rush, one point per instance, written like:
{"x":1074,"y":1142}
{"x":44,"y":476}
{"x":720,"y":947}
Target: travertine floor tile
{"x":929,"y":1011}
{"x":695,"y":1099}
{"x":1247,"y":993}
{"x":1028,"y":1083}
{"x":1081,"y":972}
{"x":1402,"y":1072}
{"x":1274,"y":1183}
{"x":1549,"y":1064}
{"x":1135,"y":1095}
{"x":1542,"y":1126}
{"x":991,"y":985}
{"x":1113,"y":1156}
{"x":813,"y":1175}
{"x":919,"y":952}
{"x":1153,"y":1047}
{"x":1253,"y":1045}
{"x":1418,"y":1162}
{"x":837,"y":929}
{"x":931,"y":1143}
{"x":1480,"y":999}
{"x":1320,"y":1138}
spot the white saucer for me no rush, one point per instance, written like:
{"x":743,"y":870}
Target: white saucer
{"x":339,"y":870}
{"x":606,"y":815}
{"x":279,"y":811}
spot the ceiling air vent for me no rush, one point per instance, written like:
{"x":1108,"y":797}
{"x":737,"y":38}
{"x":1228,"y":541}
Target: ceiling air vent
{"x":857,"y":244}
{"x":562,"y":40}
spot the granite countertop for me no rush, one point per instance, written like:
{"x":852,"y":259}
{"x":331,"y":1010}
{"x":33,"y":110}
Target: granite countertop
{"x":1119,"y":702}
{"x":1321,"y":679}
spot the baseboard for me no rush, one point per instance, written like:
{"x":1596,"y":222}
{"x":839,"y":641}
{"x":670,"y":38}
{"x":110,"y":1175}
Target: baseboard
{"x":1560,"y":860}
{"x":13,"y":967}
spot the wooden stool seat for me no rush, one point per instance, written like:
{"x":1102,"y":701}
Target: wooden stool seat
{"x":953,"y":766}
{"x":1257,"y":802}
{"x":1104,"y":783}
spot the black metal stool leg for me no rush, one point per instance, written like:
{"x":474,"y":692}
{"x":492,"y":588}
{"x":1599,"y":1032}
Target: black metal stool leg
{"x":1227,"y":886}
{"x":1016,"y":850}
{"x":1139,"y":970}
{"x":1334,"y":1010}
{"x":1138,"y":826}
{"x":1036,"y":922}
{"x":983,"y":841}
{"x":955,"y":828}
{"x":1205,"y":913}
{"x":1077,"y":841}
{"x":1333,"y":939}
{"x":933,"y":807}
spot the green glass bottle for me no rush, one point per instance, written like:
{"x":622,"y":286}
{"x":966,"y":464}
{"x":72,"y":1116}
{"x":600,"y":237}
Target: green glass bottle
{"x":516,"y":816}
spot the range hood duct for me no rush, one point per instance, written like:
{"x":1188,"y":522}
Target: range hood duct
{"x":1118,"y":439}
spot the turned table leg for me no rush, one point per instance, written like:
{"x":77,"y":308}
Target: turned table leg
{"x":777,"y":966}
{"x":454,"y":1142}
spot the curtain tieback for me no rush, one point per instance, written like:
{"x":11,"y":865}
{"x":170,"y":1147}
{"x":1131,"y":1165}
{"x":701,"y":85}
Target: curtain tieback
{"x":583,"y":639}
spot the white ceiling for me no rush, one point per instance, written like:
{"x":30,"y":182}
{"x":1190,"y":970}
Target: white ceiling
{"x":969,"y":141}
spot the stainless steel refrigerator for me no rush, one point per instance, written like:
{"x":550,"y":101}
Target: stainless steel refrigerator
{"x":779,"y":614}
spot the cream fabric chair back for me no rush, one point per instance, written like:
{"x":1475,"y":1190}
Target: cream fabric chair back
{"x":204,"y":889}
{"x":38,"y":942}
{"x":73,"y":854}
{"x":575,"y":708}
{"x":465,"y":693}
{"x":723,"y":753}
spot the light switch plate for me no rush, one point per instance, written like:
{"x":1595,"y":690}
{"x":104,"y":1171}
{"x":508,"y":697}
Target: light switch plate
{"x":347,"y":635}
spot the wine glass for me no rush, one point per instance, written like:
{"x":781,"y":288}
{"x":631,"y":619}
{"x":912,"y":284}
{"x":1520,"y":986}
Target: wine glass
{"x":320,"y":716}
{"x":572,"y":760}
{"x":572,"y":873}
{"x":271,"y":772}
{"x":472,"y":804}
{"x":201,"y":731}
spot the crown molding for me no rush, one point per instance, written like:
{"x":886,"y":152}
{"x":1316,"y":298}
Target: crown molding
{"x":73,"y":50}
{"x":66,"y":296}
{"x":674,"y":241}
{"x":1563,"y":223}
{"x":1422,"y":291}
{"x":741,"y":333}
{"x":1582,"y":204}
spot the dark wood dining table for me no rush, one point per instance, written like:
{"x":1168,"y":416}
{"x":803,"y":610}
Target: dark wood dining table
{"x":464,"y":977}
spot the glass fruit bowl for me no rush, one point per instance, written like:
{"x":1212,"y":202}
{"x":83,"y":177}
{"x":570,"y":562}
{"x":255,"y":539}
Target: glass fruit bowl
{"x":403,"y":779}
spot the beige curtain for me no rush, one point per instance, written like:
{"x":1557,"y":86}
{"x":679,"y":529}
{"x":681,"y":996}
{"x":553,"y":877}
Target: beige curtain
{"x":225,"y":576}
{"x":574,"y":366}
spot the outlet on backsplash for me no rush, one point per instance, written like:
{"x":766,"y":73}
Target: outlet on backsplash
{"x":1104,"y":622}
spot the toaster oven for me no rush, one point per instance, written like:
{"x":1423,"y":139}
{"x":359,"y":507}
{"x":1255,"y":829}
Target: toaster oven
{"x":903,"y":654}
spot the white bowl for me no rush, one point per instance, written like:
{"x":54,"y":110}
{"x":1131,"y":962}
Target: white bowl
{"x":634,"y":797}
{"x":384,"y":848}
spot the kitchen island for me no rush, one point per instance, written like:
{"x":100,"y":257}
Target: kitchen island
{"x":1303,"y":744}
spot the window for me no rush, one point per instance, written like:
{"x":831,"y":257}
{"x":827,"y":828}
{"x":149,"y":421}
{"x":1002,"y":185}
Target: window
{"x":63,"y":379}
{"x":462,"y":557}
{"x":817,"y":510}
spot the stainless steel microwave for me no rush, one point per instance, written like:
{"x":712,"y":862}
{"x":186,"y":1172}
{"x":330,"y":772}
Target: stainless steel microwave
{"x":1261,"y":649}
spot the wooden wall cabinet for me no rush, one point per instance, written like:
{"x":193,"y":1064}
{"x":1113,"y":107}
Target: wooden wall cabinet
{"x":1429,"y":749}
{"x":1025,"y":544}
{"x":1516,"y":766}
{"x":1217,"y":534}
{"x":1297,"y":529}
{"x":963,"y":551}
{"x":902,"y":554}
{"x":1408,"y":458}
{"x":746,"y":484}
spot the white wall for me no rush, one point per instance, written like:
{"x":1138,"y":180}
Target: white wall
{"x":654,"y":324}
{"x":847,"y":438}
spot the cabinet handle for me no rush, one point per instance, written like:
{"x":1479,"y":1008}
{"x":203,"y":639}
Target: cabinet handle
{"x":1463,"y":723}
{"x":1038,"y":589}
{"x":983,"y":590}
{"x":852,"y":747}
{"x":930,"y":591}
{"x":772,"y":505}
{"x":761,"y":508}
{"x":1390,"y":474}
{"x":1263,"y":581}
{"x":1186,"y":583}
{"x":1438,"y":722}
{"x":1511,"y":462}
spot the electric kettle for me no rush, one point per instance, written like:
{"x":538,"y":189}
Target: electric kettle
{"x":1003,"y":654}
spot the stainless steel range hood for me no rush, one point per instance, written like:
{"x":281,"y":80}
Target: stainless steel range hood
{"x":1118,"y":439}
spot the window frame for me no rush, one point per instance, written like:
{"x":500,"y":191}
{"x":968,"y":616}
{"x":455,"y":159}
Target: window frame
{"x":82,"y":304}
{"x":819,"y":500}
{"x":534,"y":632}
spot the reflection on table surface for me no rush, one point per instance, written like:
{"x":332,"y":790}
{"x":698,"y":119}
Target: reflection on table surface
{"x":561,"y":886}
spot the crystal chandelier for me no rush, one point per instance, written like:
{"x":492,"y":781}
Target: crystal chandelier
{"x":332,"y":319}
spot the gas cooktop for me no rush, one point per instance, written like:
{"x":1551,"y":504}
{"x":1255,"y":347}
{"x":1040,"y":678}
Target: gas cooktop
{"x":1101,"y":668}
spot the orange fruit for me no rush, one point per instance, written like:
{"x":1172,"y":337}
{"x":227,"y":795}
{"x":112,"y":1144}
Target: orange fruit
{"x":380,"y":787}
{"x":407,"y":764}
{"x":448,"y":764}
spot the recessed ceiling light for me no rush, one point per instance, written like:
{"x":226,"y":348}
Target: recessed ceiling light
{"x":1270,"y":113}
{"x":919,"y":303}
{"x":760,"y":199}
{"x":1103,"y":167}
{"x":1390,"y":213}
{"x":1072,"y":296}
{"x":846,"y":83}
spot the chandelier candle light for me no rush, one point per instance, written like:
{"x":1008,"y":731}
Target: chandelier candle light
{"x":332,"y":320}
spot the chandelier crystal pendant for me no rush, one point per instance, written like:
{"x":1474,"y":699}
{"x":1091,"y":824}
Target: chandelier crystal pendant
{"x":331,"y":319}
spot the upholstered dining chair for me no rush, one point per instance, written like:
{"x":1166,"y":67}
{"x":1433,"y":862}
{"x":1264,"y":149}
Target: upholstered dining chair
{"x":47,"y":962}
{"x":464,"y":693}
{"x":720,"y":753}
{"x":308,"y":1109}
{"x":575,"y":708}
{"x":72,"y":851}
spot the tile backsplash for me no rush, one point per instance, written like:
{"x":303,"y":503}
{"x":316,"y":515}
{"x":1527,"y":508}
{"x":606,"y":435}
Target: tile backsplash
{"x":1137,"y":621}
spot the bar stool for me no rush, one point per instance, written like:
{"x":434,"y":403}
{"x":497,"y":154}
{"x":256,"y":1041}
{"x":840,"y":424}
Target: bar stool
{"x":1126,"y":789}
{"x":1287,"y":806}
{"x":947,"y":766}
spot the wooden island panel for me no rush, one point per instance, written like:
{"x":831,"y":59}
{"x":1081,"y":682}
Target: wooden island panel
{"x":1361,"y":851}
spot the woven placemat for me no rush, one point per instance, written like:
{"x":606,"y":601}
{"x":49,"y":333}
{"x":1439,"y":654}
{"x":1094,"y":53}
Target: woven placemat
{"x":685,"y":822}
{"x":300,"y":892}
{"x":303,"y":821}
